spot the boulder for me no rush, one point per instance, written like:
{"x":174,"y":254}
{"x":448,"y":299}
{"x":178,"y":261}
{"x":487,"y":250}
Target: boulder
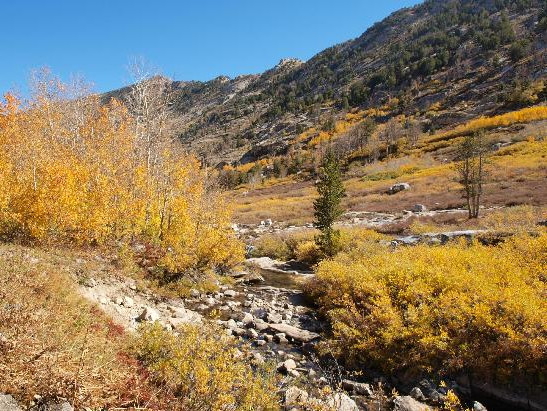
{"x":294,"y":397}
{"x":148,"y":314}
{"x":274,"y":317}
{"x":183,"y":316}
{"x":407,"y":403}
{"x":295,"y":333}
{"x":8,"y":403}
{"x":251,"y":333}
{"x":128,"y":302}
{"x":247,"y":319}
{"x":419,"y":208}
{"x":230,"y":293}
{"x":341,"y":402}
{"x":261,"y":325}
{"x":287,"y":365}
{"x":417,"y":394}
{"x":395,"y":188}
{"x":358,"y":388}
{"x":477,"y":406}
{"x":281,"y":338}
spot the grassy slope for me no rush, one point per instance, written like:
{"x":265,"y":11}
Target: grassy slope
{"x":516,"y":176}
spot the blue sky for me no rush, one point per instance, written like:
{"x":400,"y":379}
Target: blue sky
{"x":188,"y":40}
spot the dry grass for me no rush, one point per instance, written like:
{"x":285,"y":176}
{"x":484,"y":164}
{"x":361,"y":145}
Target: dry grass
{"x":56,"y":344}
{"x":516,"y":177}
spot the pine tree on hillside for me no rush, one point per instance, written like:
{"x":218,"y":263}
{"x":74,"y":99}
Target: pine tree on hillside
{"x":328,"y":206}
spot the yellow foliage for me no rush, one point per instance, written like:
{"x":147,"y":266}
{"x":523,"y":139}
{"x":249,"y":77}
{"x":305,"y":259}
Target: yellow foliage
{"x":442,"y":309}
{"x":308,"y":252}
{"x":202,"y":367}
{"x":89,"y":181}
{"x":503,"y":120}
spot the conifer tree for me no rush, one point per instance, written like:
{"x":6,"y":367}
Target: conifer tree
{"x":328,"y":206}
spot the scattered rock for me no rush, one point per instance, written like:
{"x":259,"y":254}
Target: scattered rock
{"x":251,"y":333}
{"x":128,"y":302}
{"x":407,"y":403}
{"x":247,"y":319}
{"x":51,"y":405}
{"x":230,"y":293}
{"x":148,"y":314}
{"x":417,"y":394}
{"x":398,"y":187}
{"x":287,"y":365}
{"x":294,"y":397}
{"x":194,"y":293}
{"x":358,"y":388}
{"x":477,"y":406}
{"x":295,"y":333}
{"x":274,"y":317}
{"x":261,"y":325}
{"x":342,"y":402}
{"x":419,"y":208}
{"x":281,"y":338}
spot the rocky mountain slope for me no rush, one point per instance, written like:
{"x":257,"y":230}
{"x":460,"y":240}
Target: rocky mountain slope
{"x":465,"y":58}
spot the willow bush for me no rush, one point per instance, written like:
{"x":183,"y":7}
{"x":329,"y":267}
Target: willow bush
{"x":456,"y":308}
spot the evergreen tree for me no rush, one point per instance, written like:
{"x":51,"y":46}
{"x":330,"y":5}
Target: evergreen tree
{"x":328,"y":206}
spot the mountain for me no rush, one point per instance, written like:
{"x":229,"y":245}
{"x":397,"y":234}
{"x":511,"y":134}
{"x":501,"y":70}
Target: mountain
{"x":441,"y":62}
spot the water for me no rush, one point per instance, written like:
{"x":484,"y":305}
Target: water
{"x":289,"y":281}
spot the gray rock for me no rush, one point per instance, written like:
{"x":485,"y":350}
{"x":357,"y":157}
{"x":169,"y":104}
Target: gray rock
{"x":342,"y":402}
{"x":287,"y":365}
{"x":395,"y":188}
{"x":231,"y":324}
{"x":230,"y":293}
{"x":281,"y":338}
{"x":274,"y":317}
{"x":407,"y":403}
{"x":148,"y":314}
{"x":294,"y":332}
{"x":294,"y":397}
{"x":58,"y":406}
{"x":247,"y":319}
{"x":185,"y":317}
{"x":128,"y":302}
{"x":210,"y":301}
{"x":477,"y":406}
{"x":417,"y":394}
{"x":194,"y":293}
{"x":239,"y":331}
{"x":8,"y":403}
{"x":261,"y":325}
{"x":419,"y":208}
{"x":251,"y":333}
{"x":358,"y":388}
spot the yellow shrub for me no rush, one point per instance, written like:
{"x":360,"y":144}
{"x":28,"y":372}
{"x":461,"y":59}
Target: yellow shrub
{"x":520,"y":116}
{"x":308,"y":252}
{"x":514,"y":219}
{"x":204,"y":370}
{"x":273,"y":246}
{"x":456,"y":308}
